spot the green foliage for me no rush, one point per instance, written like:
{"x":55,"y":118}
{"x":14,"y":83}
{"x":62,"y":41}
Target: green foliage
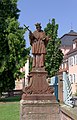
{"x":54,"y":55}
{"x":13,"y":52}
{"x":11,"y":99}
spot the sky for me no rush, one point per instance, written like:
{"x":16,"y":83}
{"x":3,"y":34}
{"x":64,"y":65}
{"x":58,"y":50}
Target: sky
{"x":33,"y":11}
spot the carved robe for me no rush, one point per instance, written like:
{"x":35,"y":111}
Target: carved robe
{"x":38,"y":41}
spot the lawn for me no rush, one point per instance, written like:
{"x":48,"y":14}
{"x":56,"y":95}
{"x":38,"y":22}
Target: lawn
{"x":9,"y":108}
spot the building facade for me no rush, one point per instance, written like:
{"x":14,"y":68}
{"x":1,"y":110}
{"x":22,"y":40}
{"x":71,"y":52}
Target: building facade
{"x":72,"y":63}
{"x":69,"y":49}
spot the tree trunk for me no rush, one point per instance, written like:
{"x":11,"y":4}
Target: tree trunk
{"x":0,"y":94}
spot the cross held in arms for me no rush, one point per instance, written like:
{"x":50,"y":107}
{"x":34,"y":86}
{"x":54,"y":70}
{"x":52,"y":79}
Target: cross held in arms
{"x":27,"y":27}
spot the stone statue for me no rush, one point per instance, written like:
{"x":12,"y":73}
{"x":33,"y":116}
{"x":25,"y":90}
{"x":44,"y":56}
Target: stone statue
{"x":38,"y":101}
{"x":38,"y":41}
{"x":37,"y":77}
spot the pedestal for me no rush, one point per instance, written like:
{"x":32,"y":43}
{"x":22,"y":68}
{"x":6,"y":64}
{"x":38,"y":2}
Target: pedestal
{"x":38,"y":101}
{"x":39,"y":110}
{"x":37,"y":85}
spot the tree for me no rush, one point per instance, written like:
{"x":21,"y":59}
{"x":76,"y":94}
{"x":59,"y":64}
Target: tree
{"x":54,"y":55}
{"x":13,"y":51}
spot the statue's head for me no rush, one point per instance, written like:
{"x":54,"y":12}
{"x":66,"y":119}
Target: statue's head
{"x":38,"y":25}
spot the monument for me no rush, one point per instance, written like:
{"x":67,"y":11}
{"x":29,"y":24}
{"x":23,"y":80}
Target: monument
{"x":38,"y":101}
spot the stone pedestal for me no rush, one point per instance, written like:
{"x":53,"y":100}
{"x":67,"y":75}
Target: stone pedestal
{"x":39,"y":110}
{"x":37,"y":85}
{"x":38,"y":101}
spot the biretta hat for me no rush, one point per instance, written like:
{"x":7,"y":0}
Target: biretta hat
{"x":38,"y":24}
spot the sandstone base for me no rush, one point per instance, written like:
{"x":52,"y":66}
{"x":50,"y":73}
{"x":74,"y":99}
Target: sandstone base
{"x":39,"y":110}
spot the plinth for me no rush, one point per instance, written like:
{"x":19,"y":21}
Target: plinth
{"x":39,"y":110}
{"x":38,"y":101}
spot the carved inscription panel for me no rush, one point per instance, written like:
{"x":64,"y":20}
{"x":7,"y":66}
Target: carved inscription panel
{"x":36,"y":116}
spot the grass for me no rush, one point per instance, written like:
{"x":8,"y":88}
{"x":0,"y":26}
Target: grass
{"x":9,"y":108}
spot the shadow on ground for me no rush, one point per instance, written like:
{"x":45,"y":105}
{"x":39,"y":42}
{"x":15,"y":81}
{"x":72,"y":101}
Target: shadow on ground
{"x":11,"y":99}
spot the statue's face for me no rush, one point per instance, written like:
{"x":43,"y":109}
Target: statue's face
{"x":38,"y":28}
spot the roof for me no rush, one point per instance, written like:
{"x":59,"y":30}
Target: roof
{"x":67,"y":39}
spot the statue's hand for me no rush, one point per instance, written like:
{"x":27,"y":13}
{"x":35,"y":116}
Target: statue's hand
{"x":43,"y":39}
{"x":30,"y":33}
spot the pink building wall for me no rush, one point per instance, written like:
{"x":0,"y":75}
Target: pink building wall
{"x":72,"y":71}
{"x":65,"y":51}
{"x":19,"y":84}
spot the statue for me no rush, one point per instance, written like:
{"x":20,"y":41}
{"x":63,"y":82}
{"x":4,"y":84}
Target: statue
{"x":38,"y":101}
{"x":37,"y":77}
{"x":38,"y":41}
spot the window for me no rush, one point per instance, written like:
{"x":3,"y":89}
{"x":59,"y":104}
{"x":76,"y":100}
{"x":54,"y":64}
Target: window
{"x":70,"y":78}
{"x":62,"y":65}
{"x":65,"y":65}
{"x":71,"y":61}
{"x":74,"y":78}
{"x":75,"y":59}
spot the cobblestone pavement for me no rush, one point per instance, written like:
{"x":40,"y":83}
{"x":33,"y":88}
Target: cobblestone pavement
{"x":72,"y":112}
